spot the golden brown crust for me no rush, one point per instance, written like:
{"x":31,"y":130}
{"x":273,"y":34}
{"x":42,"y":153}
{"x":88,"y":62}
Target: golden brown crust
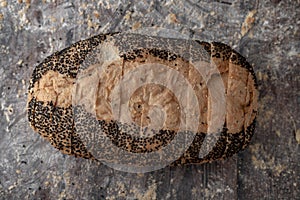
{"x":54,"y":87}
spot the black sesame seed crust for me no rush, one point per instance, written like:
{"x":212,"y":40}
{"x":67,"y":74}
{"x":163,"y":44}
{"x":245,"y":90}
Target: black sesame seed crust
{"x":56,"y":124}
{"x":224,"y":52}
{"x":160,"y":53}
{"x":227,"y":145}
{"x":68,"y":60}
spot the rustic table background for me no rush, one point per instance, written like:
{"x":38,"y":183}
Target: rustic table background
{"x":265,"y":32}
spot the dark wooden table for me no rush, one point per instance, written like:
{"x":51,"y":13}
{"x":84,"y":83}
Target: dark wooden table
{"x":266,"y":32}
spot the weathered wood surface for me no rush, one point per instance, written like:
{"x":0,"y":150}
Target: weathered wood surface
{"x":265,"y":32}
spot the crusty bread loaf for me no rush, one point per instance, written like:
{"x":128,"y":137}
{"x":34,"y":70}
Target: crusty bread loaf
{"x":74,"y":93}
